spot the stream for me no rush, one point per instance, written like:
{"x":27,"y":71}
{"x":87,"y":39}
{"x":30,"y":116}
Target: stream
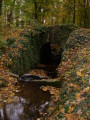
{"x":30,"y":102}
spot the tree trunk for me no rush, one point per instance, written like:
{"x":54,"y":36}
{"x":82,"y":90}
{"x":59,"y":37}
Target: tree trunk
{"x":35,"y":11}
{"x":85,"y":14}
{"x":0,"y":7}
{"x":74,"y":15}
{"x":10,"y":17}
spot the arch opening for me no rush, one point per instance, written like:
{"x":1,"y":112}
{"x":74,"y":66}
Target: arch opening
{"x":50,"y":54}
{"x":45,"y":54}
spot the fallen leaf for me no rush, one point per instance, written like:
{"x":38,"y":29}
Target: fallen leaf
{"x":38,"y":118}
{"x":62,"y":110}
{"x":78,"y":95}
{"x":79,"y":73}
{"x":69,"y":116}
{"x":86,"y":89}
{"x":71,"y":109}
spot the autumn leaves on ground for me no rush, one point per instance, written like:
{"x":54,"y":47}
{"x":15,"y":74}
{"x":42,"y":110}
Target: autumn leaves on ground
{"x":73,"y":103}
{"x":72,"y":100}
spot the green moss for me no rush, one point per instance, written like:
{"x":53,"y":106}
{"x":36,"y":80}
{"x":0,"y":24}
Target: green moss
{"x":24,"y":50}
{"x":3,"y":84}
{"x":60,"y":116}
{"x":2,"y":46}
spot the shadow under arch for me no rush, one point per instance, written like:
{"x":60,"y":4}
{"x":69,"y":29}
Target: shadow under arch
{"x":45,"y":54}
{"x":50,"y":54}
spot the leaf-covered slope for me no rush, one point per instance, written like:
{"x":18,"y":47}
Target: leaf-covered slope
{"x":7,"y":83}
{"x":75,"y":69}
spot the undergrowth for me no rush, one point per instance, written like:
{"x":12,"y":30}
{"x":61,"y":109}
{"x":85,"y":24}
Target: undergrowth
{"x":73,"y":103}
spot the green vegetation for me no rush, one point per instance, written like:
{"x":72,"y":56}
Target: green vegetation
{"x":74,"y":71}
{"x":19,"y":13}
{"x":2,"y":46}
{"x":23,"y":51}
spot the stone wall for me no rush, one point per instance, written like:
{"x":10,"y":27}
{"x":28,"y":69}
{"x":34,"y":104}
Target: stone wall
{"x":25,"y":50}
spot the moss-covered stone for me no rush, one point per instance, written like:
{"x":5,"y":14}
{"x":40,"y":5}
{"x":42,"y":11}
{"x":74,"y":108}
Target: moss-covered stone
{"x":24,"y":50}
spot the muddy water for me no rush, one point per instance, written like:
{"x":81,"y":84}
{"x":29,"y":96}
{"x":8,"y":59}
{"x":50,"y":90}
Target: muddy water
{"x":30,"y":102}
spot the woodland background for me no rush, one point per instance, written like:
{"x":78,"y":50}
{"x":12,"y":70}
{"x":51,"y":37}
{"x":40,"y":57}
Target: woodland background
{"x":18,"y":13}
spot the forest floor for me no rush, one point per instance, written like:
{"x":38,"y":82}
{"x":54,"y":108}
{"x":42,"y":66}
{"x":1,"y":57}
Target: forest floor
{"x":7,"y":85}
{"x":73,"y":102}
{"x":72,"y":99}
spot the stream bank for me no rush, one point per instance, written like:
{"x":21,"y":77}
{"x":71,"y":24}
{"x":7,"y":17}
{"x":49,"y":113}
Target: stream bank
{"x":73,"y":103}
{"x":26,"y":104}
{"x":29,"y":101}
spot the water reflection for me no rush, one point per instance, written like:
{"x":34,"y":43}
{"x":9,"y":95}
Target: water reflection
{"x":31,"y":100}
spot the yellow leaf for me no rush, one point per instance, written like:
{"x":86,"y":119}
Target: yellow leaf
{"x":80,"y":74}
{"x":12,"y":94}
{"x":22,"y":107}
{"x":78,"y":95}
{"x":86,"y":89}
{"x":71,"y":109}
{"x":0,"y":99}
{"x":62,"y":110}
{"x":17,"y":91}
{"x":76,"y":86}
{"x":69,"y":116}
{"x":10,"y":100}
{"x":45,"y":89}
{"x":50,"y":108}
{"x":38,"y":118}
{"x":5,"y":101}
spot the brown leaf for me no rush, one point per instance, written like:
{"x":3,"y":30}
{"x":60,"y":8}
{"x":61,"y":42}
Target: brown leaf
{"x":80,"y":74}
{"x":69,"y":116}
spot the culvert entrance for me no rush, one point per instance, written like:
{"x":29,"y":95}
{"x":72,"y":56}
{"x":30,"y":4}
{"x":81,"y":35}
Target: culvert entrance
{"x":45,"y":54}
{"x":50,"y":57}
{"x":50,"y":54}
